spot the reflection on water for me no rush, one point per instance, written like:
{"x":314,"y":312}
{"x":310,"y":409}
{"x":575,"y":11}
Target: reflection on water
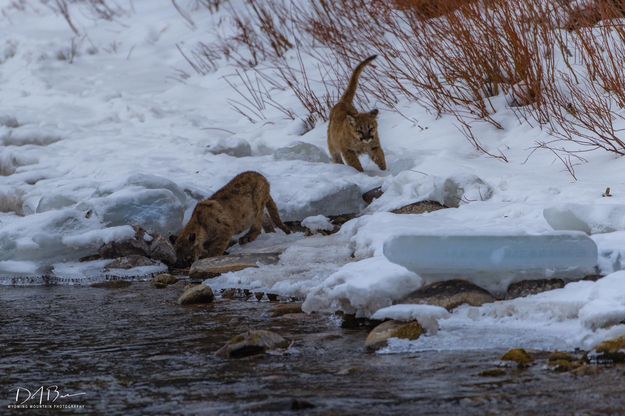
{"x":135,"y":351}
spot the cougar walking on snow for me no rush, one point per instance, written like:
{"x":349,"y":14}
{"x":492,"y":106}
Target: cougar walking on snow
{"x":351,"y":133}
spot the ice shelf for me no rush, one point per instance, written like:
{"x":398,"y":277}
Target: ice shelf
{"x":495,"y":261}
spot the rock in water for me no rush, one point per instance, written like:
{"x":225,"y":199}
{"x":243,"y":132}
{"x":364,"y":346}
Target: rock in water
{"x":163,"y":280}
{"x":252,"y":343}
{"x":450,"y":294}
{"x":518,"y":355}
{"x":379,"y":336}
{"x":112,"y":284}
{"x":420,"y":207}
{"x":214,"y":266}
{"x":196,"y":294}
{"x":532,"y":287}
{"x":286,"y":308}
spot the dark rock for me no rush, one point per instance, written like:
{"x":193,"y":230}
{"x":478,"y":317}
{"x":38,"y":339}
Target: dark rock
{"x":161,"y":249}
{"x":214,"y":266}
{"x":286,"y":308}
{"x":349,"y":321}
{"x":112,"y":284}
{"x":284,"y":405}
{"x":532,"y":287}
{"x":372,"y":194}
{"x":130,"y":262}
{"x":92,"y":257}
{"x":450,"y":294}
{"x":519,"y":356}
{"x":252,"y":343}
{"x":296,"y":226}
{"x":272,"y":297}
{"x":379,"y":336}
{"x":196,"y":294}
{"x":419,"y":207}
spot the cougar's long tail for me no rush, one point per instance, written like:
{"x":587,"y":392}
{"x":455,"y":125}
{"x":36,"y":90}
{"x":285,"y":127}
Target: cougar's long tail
{"x":350,"y":92}
{"x":275,"y":215}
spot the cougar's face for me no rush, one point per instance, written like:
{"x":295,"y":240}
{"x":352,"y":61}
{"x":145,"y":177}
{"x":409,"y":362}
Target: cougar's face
{"x":365,"y":126}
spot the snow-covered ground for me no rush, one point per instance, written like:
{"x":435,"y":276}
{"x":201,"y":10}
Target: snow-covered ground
{"x":114,"y":137}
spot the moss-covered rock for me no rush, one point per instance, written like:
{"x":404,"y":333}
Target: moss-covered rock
{"x":612,"y":350}
{"x":379,"y":336}
{"x":163,"y":280}
{"x":518,"y":355}
{"x":252,"y":343}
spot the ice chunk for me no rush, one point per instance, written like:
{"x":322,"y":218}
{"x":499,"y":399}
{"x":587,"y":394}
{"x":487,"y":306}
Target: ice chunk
{"x":302,"y":151}
{"x":595,"y":218}
{"x":464,"y":188}
{"x":156,"y":182}
{"x":318,"y":222}
{"x":611,"y":251}
{"x":331,"y":199}
{"x":157,"y":210}
{"x":426,"y":315}
{"x":51,"y":202}
{"x":495,"y":261}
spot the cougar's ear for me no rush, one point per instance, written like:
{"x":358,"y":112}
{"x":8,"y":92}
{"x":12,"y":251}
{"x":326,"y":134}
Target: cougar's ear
{"x":351,"y":120}
{"x":374,"y":112}
{"x":173,"y":238}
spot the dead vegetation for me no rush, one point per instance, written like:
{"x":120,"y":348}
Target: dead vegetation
{"x":555,"y":64}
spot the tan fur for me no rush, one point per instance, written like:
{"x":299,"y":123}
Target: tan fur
{"x":238,"y":206}
{"x":351,"y":133}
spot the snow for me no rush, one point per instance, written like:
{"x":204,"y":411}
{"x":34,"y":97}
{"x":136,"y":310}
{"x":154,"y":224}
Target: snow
{"x":119,"y":136}
{"x":318,"y":222}
{"x":427,"y":315}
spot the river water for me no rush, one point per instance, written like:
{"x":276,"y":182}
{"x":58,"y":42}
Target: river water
{"x":134,"y":351}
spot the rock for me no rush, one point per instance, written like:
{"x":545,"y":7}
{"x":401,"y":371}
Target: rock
{"x":112,"y":284}
{"x":587,"y":370}
{"x":562,"y":366}
{"x":419,"y":207}
{"x":532,"y":287}
{"x":196,"y":294}
{"x":134,"y":246}
{"x":302,"y":151}
{"x":214,"y":266}
{"x":252,"y":343}
{"x":286,"y":308}
{"x":450,"y":294}
{"x":610,"y":351}
{"x":559,"y":356}
{"x":518,"y":355}
{"x":130,"y":262}
{"x":379,"y":336}
{"x":349,"y":321}
{"x":161,"y":249}
{"x":164,"y":280}
{"x":372,"y":195}
{"x":231,"y":147}
{"x":495,"y":372}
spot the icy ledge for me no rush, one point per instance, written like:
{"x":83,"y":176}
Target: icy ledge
{"x":494,"y":261}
